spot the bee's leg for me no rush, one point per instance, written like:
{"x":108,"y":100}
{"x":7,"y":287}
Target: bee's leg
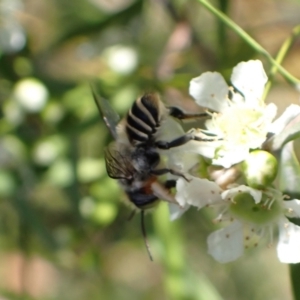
{"x":181,"y":141}
{"x":179,"y":114}
{"x":171,"y":183}
{"x":167,"y":170}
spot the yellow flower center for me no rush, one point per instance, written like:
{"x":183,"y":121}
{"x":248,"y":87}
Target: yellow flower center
{"x":241,"y":125}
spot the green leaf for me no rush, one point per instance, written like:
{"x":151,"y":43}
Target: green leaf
{"x":289,"y":172}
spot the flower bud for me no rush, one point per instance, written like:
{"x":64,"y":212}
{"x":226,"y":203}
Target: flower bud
{"x":260,"y":169}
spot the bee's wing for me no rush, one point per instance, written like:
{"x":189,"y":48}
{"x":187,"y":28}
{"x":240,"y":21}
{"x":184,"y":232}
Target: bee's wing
{"x":118,"y":165}
{"x":109,"y":115}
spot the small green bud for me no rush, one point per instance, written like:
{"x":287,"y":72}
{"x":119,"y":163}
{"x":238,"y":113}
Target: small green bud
{"x":260,"y":169}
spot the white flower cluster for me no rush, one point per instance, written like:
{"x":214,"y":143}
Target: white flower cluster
{"x":240,"y":184}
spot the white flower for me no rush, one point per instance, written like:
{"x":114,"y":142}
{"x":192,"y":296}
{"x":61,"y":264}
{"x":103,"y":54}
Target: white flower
{"x":240,"y":120}
{"x":287,"y":116}
{"x":182,"y":162}
{"x":247,"y":215}
{"x":196,"y":192}
{"x":253,"y":214}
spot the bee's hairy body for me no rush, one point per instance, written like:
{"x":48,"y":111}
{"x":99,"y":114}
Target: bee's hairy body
{"x":136,"y":145}
{"x":133,"y":158}
{"x":143,"y":120}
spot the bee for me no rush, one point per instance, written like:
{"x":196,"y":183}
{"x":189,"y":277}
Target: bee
{"x":133,"y":158}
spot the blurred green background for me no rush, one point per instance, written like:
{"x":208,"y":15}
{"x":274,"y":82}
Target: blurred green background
{"x":64,"y":232}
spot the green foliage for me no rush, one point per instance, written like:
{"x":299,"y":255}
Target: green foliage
{"x":58,"y":209}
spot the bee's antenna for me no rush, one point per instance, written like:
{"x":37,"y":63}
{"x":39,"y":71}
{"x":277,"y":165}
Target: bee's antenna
{"x":145,"y":235}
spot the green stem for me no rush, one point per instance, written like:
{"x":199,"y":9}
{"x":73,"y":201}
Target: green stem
{"x":173,"y":255}
{"x":249,"y":40}
{"x":181,"y":282}
{"x":286,"y":46}
{"x":295,"y":273}
{"x":222,"y":37}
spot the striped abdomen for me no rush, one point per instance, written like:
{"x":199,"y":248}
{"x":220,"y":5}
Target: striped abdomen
{"x":143,"y":118}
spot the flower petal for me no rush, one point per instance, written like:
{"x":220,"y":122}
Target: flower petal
{"x":256,"y":194}
{"x":226,"y":244}
{"x":210,"y":90}
{"x":270,"y":112}
{"x":197,"y":192}
{"x":288,"y":115}
{"x":249,"y":78}
{"x":176,"y":211}
{"x":288,"y":248}
{"x":181,"y":160}
{"x":294,"y":208}
{"x":231,"y":156}
{"x":169,"y":130}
